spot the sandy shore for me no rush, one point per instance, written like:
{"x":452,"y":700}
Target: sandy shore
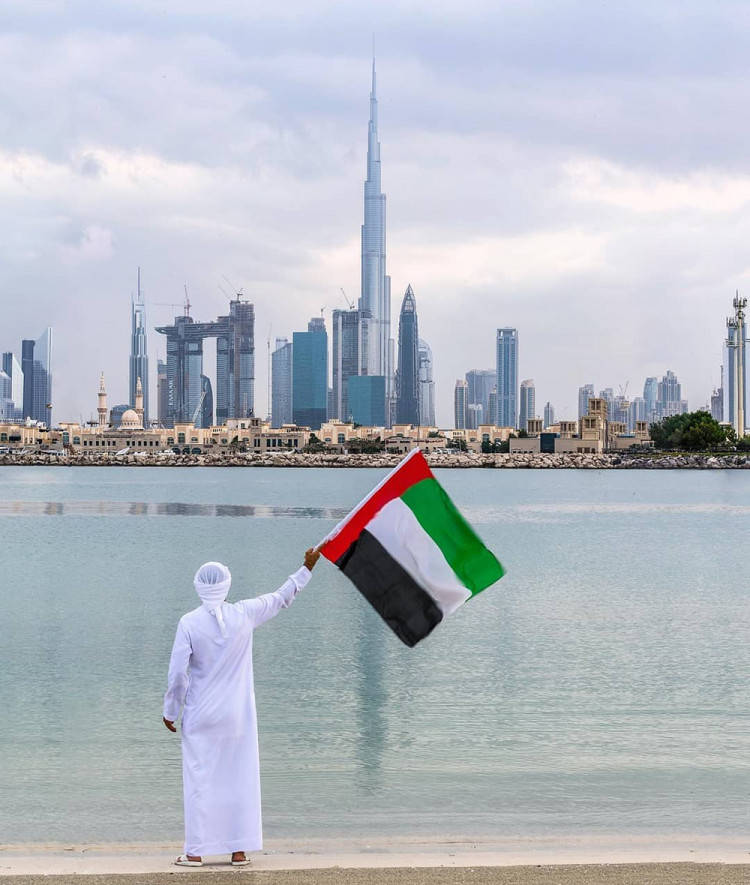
{"x":555,"y":861}
{"x":627,"y":874}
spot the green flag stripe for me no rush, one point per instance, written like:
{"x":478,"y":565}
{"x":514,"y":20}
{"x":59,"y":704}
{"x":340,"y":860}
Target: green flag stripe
{"x":475,"y":566}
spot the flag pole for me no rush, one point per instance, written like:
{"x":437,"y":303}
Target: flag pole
{"x":337,"y":528}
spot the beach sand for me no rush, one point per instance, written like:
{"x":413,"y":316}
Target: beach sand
{"x":595,"y":860}
{"x":625,"y":874}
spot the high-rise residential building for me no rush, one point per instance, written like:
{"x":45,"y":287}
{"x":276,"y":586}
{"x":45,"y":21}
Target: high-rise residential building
{"x":12,"y":368}
{"x":491,"y":416}
{"x":474,"y":415}
{"x":735,"y":369}
{"x":481,"y":382}
{"x":36,"y":365}
{"x":549,"y":414}
{"x":636,"y":412}
{"x":527,"y":408}
{"x":459,"y":404}
{"x":650,"y":397}
{"x":426,"y":386}
{"x":139,"y":350}
{"x":717,"y":401}
{"x":235,"y":364}
{"x":281,"y":383}
{"x":608,"y":395}
{"x":507,"y":377}
{"x":366,"y":397}
{"x":585,"y":393}
{"x":6,"y":403}
{"x":162,"y":397}
{"x":670,"y":400}
{"x":310,"y":375}
{"x":620,"y":409}
{"x":375,"y":300}
{"x":207,"y":404}
{"x":345,"y":358}
{"x":407,"y":380}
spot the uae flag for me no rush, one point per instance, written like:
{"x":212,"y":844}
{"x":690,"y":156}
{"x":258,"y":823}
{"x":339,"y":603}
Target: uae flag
{"x":410,"y":553}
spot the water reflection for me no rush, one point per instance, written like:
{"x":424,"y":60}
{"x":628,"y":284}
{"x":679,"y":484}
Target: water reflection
{"x":168,"y":508}
{"x":372,"y":698}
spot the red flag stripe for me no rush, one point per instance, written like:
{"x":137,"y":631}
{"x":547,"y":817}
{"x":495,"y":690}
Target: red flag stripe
{"x":414,"y":470}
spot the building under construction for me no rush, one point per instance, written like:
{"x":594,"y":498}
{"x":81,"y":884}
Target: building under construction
{"x":235,"y":366}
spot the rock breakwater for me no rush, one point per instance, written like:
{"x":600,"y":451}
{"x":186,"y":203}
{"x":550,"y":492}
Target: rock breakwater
{"x":460,"y":460}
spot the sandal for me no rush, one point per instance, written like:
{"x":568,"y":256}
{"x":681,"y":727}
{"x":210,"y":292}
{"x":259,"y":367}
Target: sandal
{"x":183,"y":861}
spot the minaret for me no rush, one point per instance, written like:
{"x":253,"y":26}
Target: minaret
{"x":102,"y":404}
{"x":139,"y":400}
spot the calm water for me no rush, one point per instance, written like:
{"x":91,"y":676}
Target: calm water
{"x":602,"y":686}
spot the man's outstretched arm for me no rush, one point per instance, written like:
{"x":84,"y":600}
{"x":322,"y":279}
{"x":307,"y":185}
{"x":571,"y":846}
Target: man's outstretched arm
{"x":263,"y":608}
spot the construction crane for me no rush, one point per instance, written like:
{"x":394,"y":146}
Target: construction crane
{"x":624,"y":389}
{"x":349,"y":304}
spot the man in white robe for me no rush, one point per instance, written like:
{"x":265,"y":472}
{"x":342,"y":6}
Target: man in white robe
{"x":211,"y":681}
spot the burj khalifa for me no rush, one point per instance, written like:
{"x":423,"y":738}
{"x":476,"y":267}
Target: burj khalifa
{"x":376,"y":348}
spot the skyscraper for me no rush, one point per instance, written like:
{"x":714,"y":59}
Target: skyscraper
{"x":650,"y":397}
{"x":735,"y":370}
{"x":407,"y":384}
{"x":491,"y":416}
{"x":549,"y":414}
{"x":366,"y":397}
{"x":138,"y":350}
{"x":670,"y":400}
{"x":585,"y":393}
{"x":281,"y":383}
{"x":507,"y":377}
{"x":310,"y":375}
{"x":426,"y":386}
{"x":36,"y":364}
{"x":12,"y":369}
{"x":375,"y":300}
{"x":345,"y":356}
{"x":162,"y":398}
{"x":206,"y":417}
{"x":459,"y":404}
{"x":528,"y":403}
{"x":235,"y":364}
{"x":481,"y":383}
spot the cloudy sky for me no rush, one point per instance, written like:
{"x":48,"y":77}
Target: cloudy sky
{"x":580,"y":170}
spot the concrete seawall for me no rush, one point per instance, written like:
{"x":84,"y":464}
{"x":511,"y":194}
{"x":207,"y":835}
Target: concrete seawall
{"x":460,"y":460}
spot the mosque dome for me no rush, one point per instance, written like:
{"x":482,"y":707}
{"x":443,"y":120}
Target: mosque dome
{"x":130,"y":420}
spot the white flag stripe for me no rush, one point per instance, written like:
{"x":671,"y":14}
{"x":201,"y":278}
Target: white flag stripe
{"x":399,"y":531}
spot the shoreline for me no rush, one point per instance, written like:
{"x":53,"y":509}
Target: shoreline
{"x":449,"y":852}
{"x":461,"y":460}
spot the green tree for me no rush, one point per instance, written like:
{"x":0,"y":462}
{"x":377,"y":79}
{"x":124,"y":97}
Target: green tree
{"x":314,"y":445}
{"x":693,"y":431}
{"x":459,"y":444}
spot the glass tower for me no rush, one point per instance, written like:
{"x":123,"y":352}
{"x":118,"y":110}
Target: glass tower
{"x":507,"y":377}
{"x":528,"y":403}
{"x":281,"y":383}
{"x":346,"y":351}
{"x":36,"y":364}
{"x":407,"y":383}
{"x":375,"y":301}
{"x":426,"y":386}
{"x":138,"y":350}
{"x":310,"y":375}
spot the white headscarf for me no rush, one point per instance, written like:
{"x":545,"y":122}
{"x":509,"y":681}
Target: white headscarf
{"x":212,"y":582}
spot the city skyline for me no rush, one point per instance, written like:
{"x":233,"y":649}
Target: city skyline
{"x":568,"y":258}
